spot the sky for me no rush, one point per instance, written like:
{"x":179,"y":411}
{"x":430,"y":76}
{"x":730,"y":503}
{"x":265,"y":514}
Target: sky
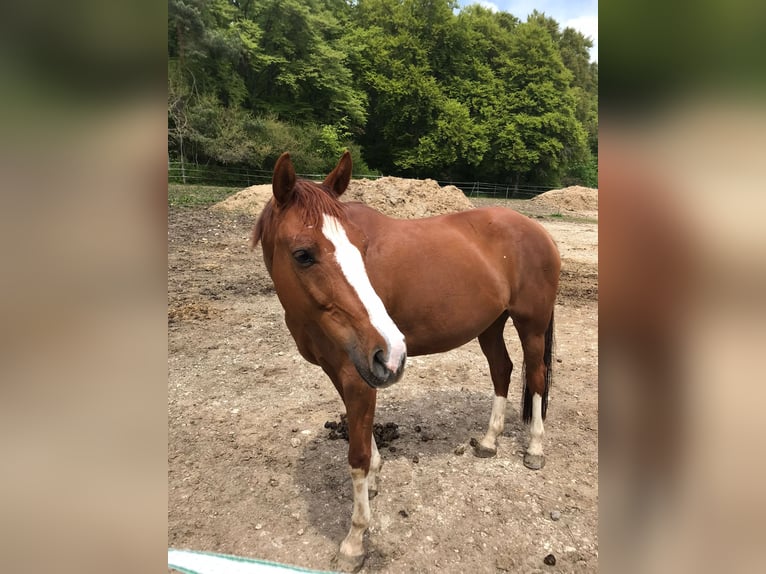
{"x":581,"y":15}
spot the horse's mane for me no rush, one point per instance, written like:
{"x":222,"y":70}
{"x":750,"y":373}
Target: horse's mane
{"x":313,"y":200}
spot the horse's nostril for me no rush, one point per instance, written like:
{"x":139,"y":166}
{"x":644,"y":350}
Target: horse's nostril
{"x":377,"y":371}
{"x":379,"y":364}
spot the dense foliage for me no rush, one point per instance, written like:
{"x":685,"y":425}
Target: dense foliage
{"x":412,"y":87}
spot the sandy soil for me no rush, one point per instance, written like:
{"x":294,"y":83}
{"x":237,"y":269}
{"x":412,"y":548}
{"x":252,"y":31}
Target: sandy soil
{"x":253,"y":470}
{"x":576,"y":200}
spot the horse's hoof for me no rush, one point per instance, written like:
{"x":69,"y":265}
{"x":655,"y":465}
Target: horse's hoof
{"x":343,"y":563}
{"x":534,"y":461}
{"x":482,"y":451}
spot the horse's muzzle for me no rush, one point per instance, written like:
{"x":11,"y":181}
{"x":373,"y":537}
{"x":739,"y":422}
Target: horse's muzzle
{"x":377,"y":370}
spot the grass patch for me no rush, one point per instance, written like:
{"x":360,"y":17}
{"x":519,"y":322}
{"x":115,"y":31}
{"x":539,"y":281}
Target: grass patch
{"x":180,"y":195}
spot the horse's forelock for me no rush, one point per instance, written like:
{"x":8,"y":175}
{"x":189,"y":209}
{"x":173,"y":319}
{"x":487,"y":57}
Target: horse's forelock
{"x":313,"y":201}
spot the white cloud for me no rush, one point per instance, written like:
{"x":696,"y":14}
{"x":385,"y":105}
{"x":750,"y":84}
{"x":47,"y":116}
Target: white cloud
{"x":588,"y":26}
{"x":488,"y":5}
{"x":582,"y":15}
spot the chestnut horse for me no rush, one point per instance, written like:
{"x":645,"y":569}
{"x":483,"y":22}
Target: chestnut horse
{"x":361,"y":291}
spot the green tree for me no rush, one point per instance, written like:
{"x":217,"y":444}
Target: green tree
{"x":305,"y":77}
{"x":209,"y":46}
{"x":239,"y":72}
{"x":576,"y":57}
{"x":424,"y":89}
{"x":538,"y":134}
{"x":409,"y":53}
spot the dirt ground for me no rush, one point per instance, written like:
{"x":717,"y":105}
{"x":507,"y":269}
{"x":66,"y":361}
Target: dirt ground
{"x":252,"y":469}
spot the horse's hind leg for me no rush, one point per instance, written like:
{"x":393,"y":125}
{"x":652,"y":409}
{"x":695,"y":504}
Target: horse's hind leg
{"x":536,"y":341}
{"x":500,"y":368}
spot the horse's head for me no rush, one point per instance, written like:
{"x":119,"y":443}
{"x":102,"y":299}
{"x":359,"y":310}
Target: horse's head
{"x":316,"y":258}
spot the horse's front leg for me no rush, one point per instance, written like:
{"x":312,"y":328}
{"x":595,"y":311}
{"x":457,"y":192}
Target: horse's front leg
{"x":375,"y":463}
{"x":360,"y":410}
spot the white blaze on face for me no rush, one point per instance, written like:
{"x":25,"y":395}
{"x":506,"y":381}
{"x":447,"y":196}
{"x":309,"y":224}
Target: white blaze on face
{"x":352,"y":265}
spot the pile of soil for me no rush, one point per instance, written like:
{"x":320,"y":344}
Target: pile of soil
{"x":394,"y":196}
{"x":574,"y":199}
{"x":250,"y":200}
{"x":407,"y":198}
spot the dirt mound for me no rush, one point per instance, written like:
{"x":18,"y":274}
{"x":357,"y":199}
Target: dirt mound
{"x":574,"y":199}
{"x":250,"y":200}
{"x":394,"y":196}
{"x":407,"y":198}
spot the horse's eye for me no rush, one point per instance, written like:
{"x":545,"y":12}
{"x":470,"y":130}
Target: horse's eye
{"x":303,"y":258}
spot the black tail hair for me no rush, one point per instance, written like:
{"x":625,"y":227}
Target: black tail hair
{"x":526,"y":395}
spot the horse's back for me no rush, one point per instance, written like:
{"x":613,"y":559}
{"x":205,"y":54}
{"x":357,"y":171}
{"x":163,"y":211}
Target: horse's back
{"x":494,"y":235}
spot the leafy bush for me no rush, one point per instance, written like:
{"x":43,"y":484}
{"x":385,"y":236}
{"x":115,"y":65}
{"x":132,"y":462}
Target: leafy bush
{"x":583,"y":173}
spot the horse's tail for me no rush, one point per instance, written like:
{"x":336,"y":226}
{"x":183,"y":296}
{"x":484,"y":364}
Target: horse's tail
{"x":526,"y":395}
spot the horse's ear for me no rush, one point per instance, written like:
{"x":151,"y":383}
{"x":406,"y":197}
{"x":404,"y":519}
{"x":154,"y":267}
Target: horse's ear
{"x":283,"y":182}
{"x":338,"y":179}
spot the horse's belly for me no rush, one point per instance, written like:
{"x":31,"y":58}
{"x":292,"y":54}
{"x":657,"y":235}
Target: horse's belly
{"x":417,"y":345}
{"x":442,"y":326}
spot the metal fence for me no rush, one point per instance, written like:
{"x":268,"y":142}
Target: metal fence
{"x":227,"y":176}
{"x":497,"y":190}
